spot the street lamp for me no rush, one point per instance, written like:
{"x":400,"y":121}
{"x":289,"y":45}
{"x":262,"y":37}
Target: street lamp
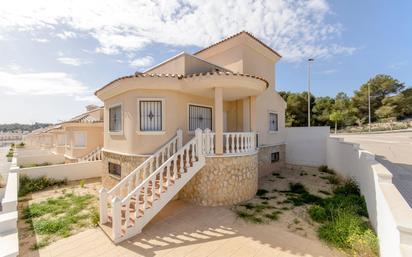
{"x":310,"y":60}
{"x":369,"y":105}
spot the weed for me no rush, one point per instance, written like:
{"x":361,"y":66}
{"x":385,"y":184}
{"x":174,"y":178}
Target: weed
{"x":265,"y":202}
{"x":261,"y":192}
{"x":275,"y":174}
{"x":264,"y":198}
{"x":248,"y":217}
{"x":95,"y":218}
{"x":81,"y":183}
{"x":325,"y":169}
{"x":333,"y":179}
{"x":296,"y":221}
{"x":272,"y":216}
{"x":350,"y":187}
{"x":29,"y":185}
{"x":317,"y":213}
{"x":42,"y":243}
{"x":298,"y":195}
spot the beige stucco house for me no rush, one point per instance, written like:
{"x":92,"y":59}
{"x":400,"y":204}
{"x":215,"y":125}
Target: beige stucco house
{"x":75,"y":139}
{"x":205,"y":125}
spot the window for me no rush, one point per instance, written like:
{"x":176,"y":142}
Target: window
{"x":274,"y":157}
{"x":61,"y":140}
{"x":150,"y":115}
{"x":79,"y":139}
{"x":200,"y":117}
{"x":273,"y":122}
{"x":115,"y":169}
{"x":115,"y":119}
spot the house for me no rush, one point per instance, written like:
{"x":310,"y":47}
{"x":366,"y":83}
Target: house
{"x":75,"y":139}
{"x":201,"y":127}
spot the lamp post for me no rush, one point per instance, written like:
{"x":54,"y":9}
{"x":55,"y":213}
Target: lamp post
{"x":369,"y":106}
{"x":310,"y":60}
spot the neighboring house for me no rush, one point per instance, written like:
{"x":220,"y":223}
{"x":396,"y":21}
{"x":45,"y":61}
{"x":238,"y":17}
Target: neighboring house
{"x":75,"y":138}
{"x":152,"y":152}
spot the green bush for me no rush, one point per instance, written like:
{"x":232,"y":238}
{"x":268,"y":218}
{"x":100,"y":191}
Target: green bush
{"x":317,"y":213}
{"x":350,"y":187}
{"x":29,"y":185}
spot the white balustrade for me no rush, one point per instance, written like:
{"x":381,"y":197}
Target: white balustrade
{"x":143,"y":171}
{"x":146,"y":197}
{"x":233,"y":142}
{"x":95,"y":155}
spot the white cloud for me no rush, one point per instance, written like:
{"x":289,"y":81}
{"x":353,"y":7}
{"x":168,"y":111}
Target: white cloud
{"x":297,"y":29}
{"x":141,"y":62}
{"x":91,"y":98}
{"x":66,"y":35}
{"x":41,"y":40}
{"x":72,"y":61}
{"x":50,"y":83}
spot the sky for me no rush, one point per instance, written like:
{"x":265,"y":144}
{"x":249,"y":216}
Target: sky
{"x":56,"y":54}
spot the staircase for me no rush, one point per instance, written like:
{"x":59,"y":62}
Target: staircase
{"x":137,"y":198}
{"x":95,"y":155}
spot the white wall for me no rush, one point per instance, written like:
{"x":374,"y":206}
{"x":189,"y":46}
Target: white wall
{"x":389,"y":213}
{"x":71,"y":171}
{"x":33,"y":158}
{"x":306,"y":146}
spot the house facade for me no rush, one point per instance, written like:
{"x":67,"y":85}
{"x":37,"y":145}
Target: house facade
{"x":227,"y":90}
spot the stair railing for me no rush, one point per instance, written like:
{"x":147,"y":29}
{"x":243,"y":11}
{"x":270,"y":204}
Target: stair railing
{"x":147,"y":191}
{"x":135,"y":178}
{"x":95,"y":155}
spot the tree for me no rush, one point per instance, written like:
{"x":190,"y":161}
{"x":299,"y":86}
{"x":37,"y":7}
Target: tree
{"x":297,"y":108}
{"x":381,"y":86}
{"x":322,"y":110}
{"x":343,"y":111}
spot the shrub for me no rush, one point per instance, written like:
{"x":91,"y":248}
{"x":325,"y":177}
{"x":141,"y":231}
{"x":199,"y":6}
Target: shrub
{"x":261,"y":192}
{"x":325,"y":169}
{"x":29,"y":185}
{"x":317,"y":213}
{"x":297,"y":188}
{"x":350,"y":187}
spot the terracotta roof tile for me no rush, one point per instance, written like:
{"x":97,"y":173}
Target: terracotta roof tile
{"x":180,"y":76}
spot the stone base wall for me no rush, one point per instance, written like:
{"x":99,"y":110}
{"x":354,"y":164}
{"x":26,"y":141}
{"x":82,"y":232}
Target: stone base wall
{"x":266,"y":167}
{"x":223,"y":181}
{"x":127,"y":163}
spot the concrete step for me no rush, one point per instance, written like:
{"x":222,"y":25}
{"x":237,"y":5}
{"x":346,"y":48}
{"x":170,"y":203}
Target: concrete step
{"x":9,"y":244}
{"x":8,"y":221}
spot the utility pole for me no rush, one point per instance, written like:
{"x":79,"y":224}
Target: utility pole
{"x":369,"y":106}
{"x":310,"y":60}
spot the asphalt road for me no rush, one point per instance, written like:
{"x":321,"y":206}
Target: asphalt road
{"x":394,"y":151}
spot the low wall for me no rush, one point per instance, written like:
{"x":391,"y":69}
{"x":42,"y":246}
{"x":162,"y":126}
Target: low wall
{"x":389,"y":213}
{"x":223,"y":180}
{"x":9,"y":199}
{"x":71,"y":171}
{"x":306,"y":145}
{"x":265,"y":164}
{"x":24,"y":159}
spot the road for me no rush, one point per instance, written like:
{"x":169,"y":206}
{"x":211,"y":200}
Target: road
{"x":394,"y":151}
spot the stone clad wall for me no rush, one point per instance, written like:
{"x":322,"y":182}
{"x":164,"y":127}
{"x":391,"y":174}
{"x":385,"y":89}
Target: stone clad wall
{"x":223,"y":181}
{"x":128,"y":164}
{"x":266,"y":167}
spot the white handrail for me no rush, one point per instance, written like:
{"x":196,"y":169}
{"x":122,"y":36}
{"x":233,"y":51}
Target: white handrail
{"x":150,"y":162}
{"x":233,"y":142}
{"x":168,"y":170}
{"x":94,"y":155}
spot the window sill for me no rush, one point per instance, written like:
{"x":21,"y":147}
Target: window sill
{"x":151,"y":133}
{"x":273,"y":132}
{"x":115,"y":177}
{"x":116,"y":133}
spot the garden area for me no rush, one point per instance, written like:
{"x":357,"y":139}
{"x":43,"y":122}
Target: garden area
{"x":52,"y":209}
{"x":317,"y":204}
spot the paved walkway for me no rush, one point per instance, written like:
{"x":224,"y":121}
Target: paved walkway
{"x":182,"y":229}
{"x":394,"y":151}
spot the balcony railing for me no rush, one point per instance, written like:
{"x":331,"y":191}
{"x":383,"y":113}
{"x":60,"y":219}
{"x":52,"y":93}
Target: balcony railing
{"x":233,"y":142}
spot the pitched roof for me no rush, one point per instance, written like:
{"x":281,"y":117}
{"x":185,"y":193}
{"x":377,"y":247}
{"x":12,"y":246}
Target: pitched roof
{"x":85,"y":117}
{"x":181,"y":76}
{"x":236,"y":35}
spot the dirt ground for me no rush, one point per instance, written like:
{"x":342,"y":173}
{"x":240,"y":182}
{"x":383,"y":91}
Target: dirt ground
{"x":27,"y":237}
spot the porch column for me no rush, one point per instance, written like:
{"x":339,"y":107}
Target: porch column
{"x":219,"y":120}
{"x":253,"y":121}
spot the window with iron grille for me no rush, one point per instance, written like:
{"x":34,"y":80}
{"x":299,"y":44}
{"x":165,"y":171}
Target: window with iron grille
{"x":273,"y":121}
{"x":150,"y":115}
{"x":200,"y":117}
{"x":115,"y":119}
{"x":115,"y":169}
{"x":274,"y":157}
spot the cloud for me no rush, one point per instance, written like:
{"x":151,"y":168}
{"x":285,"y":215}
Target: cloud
{"x":48,"y":83}
{"x":397,"y":65}
{"x":91,"y":98}
{"x":41,"y":40}
{"x":141,"y":62}
{"x":297,"y":29}
{"x":72,"y":61}
{"x":66,"y":35}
